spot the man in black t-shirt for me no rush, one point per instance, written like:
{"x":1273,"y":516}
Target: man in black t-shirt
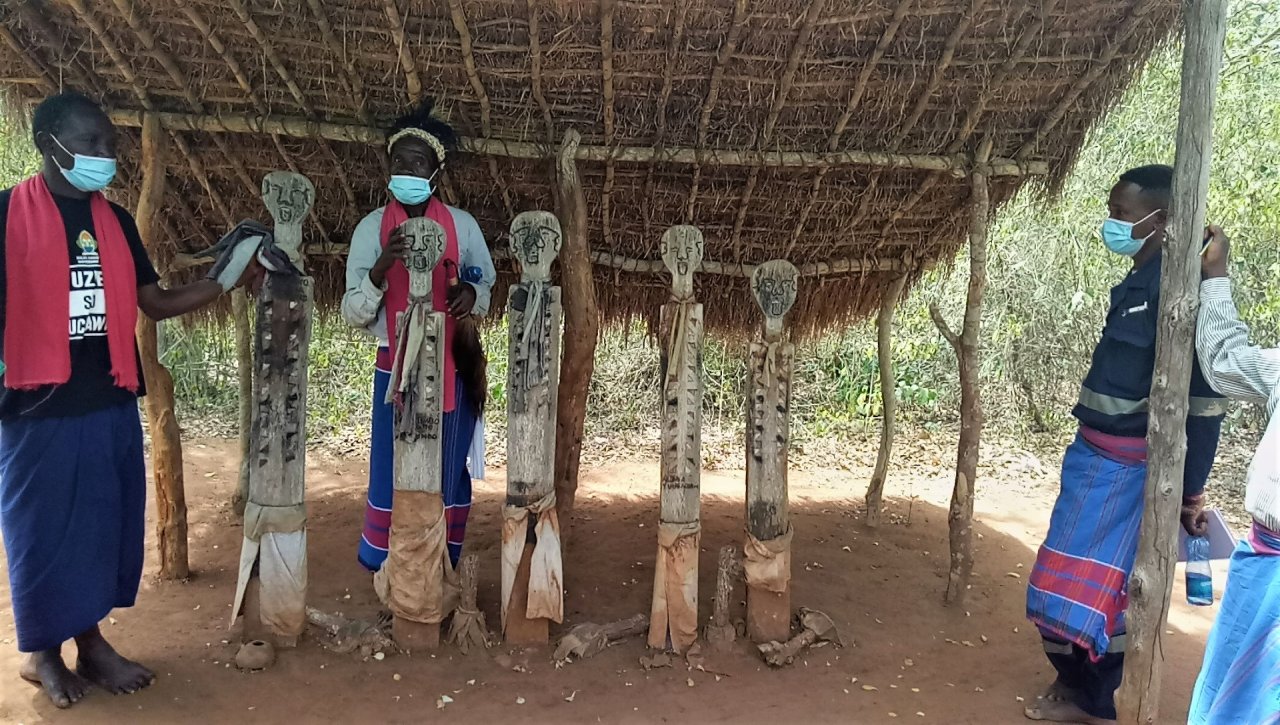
{"x":72,"y":474}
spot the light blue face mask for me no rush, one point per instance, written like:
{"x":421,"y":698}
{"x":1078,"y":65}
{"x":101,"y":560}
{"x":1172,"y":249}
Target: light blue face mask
{"x":1117,"y":234}
{"x":87,"y":173}
{"x":411,"y":190}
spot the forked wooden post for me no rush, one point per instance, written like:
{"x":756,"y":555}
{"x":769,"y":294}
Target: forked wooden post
{"x":1151,"y":584}
{"x":417,"y":565}
{"x":673,"y":620}
{"x":767,"y":549}
{"x":888,"y":398}
{"x":273,"y":561}
{"x":162,"y":421}
{"x":967,"y":346}
{"x":532,"y":572}
{"x":582,"y":325}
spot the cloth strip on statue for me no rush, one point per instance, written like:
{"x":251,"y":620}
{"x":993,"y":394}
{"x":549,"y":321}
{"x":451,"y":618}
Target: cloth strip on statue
{"x":546,"y":568}
{"x":675,"y":587}
{"x":1078,"y":587}
{"x":458,"y":429}
{"x":1240,"y":679}
{"x":424,"y":587}
{"x":767,"y":564}
{"x":73,"y":494}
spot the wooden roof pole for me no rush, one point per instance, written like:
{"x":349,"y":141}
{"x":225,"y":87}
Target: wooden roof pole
{"x":166,"y":438}
{"x":1151,"y":583}
{"x":607,"y":8}
{"x":535,"y":68}
{"x":967,"y":345}
{"x":888,"y":397}
{"x":723,"y":56}
{"x":681,"y":10}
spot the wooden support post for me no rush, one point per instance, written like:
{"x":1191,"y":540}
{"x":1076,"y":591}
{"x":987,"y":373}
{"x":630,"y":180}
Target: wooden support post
{"x":244,"y":376}
{"x":532,"y":572}
{"x":888,"y":398}
{"x":967,"y":347}
{"x":417,"y":563}
{"x":275,"y":544}
{"x":768,"y":545}
{"x":582,"y":325}
{"x":162,"y":421}
{"x":673,"y":620}
{"x":1151,"y":584}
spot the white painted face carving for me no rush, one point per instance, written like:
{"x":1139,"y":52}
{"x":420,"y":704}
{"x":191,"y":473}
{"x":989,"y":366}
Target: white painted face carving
{"x":288,"y":196}
{"x":682,"y":249}
{"x":535,"y":242}
{"x":425,"y":240}
{"x":774,"y":286}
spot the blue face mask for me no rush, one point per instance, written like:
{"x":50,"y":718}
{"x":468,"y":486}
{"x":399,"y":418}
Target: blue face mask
{"x":411,"y":190}
{"x":1117,"y":234}
{"x":87,"y":173}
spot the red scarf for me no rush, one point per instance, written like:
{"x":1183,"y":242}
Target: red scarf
{"x":37,"y":339}
{"x":396,"y":298}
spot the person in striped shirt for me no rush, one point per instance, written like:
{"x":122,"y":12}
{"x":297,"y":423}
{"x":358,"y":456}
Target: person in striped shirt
{"x":1240,"y":679}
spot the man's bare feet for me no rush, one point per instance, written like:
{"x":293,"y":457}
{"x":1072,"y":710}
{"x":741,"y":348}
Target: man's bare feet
{"x":47,"y":671}
{"x":100,"y":664}
{"x":1062,"y":711}
{"x":1058,"y":692}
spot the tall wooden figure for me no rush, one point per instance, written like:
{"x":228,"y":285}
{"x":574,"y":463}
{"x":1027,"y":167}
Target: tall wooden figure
{"x":673,"y":618}
{"x":417,"y":571}
{"x":272,"y":587}
{"x":532,"y":572}
{"x":767,"y":549}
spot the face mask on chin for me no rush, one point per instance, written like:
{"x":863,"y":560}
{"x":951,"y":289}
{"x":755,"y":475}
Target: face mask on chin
{"x":87,"y":173}
{"x":1117,"y":234}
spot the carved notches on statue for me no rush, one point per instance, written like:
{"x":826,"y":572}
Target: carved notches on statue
{"x":424,"y":240}
{"x":774,"y":285}
{"x":288,"y":196}
{"x":418,"y":370}
{"x":682,"y":249}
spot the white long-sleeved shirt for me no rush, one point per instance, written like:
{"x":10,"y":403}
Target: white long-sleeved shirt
{"x":1247,"y":372}
{"x":362,"y":303}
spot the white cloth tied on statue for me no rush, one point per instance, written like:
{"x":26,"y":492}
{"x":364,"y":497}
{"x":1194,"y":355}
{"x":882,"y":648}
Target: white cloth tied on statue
{"x":675,"y":586}
{"x":418,"y":545}
{"x":768,"y":563}
{"x":546,"y":570}
{"x":275,"y":538}
{"x":532,"y":347}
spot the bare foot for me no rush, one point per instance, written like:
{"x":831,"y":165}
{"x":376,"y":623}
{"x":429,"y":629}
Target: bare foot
{"x":1058,"y":692}
{"x":47,"y":671}
{"x":1062,"y":711}
{"x":100,"y":664}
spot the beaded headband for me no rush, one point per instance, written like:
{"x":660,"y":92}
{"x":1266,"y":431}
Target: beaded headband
{"x":421,"y":135}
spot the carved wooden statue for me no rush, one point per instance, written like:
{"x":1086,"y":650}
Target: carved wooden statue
{"x":767,"y":549}
{"x":418,"y":573}
{"x":532,"y":574}
{"x":674,"y":615}
{"x":273,"y":562}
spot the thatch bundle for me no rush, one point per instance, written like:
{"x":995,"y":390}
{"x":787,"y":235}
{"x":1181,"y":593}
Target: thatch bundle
{"x":835,"y":134}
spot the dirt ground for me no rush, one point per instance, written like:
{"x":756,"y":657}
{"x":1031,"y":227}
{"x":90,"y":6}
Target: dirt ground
{"x":911,"y":659}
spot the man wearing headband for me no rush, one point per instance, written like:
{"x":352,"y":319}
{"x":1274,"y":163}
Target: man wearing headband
{"x":378,"y":289}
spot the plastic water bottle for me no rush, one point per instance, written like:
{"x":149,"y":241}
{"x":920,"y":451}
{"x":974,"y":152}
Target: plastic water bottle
{"x":1199,"y":574}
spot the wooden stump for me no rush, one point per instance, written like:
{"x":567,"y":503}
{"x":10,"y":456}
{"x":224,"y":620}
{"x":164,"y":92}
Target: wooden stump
{"x":768,"y":546}
{"x":530,"y":525}
{"x":721,"y":632}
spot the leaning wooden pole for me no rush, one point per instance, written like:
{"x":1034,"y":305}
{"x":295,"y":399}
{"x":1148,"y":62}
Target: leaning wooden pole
{"x":1151,"y":583}
{"x":767,"y":548}
{"x":417,"y":566}
{"x":244,"y":377}
{"x":581,"y":321}
{"x":888,"y":397}
{"x":673,"y":620}
{"x":162,"y":421}
{"x":967,"y":347}
{"x":272,"y":584}
{"x":532,"y":570}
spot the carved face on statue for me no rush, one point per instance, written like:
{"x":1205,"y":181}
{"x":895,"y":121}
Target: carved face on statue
{"x":425,"y":240}
{"x":535,"y":242}
{"x":774,"y":285}
{"x":682,"y":248}
{"x":288,"y":196}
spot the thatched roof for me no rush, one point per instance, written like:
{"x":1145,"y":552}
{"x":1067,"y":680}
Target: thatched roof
{"x":838,"y":135}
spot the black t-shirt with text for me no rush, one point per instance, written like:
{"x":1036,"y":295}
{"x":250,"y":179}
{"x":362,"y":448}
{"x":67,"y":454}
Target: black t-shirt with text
{"x":91,"y":386}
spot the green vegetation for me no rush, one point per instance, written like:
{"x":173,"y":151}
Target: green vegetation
{"x":1047,"y":296}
